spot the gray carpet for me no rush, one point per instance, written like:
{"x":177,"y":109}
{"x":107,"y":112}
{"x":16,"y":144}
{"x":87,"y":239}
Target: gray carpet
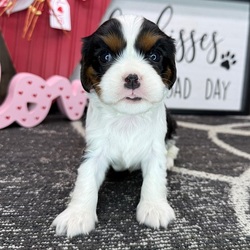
{"x":209,"y":189}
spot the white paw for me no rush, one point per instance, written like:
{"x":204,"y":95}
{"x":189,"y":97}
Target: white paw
{"x":155,"y":215}
{"x":170,"y":163}
{"x":74,"y":221}
{"x":171,"y":153}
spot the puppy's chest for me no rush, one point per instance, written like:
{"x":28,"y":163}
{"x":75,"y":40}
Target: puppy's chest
{"x":125,"y":140}
{"x":128,"y":142}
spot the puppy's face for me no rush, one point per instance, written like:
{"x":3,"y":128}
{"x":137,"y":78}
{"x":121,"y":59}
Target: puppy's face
{"x":130,"y":63}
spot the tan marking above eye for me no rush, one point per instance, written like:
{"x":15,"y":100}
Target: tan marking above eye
{"x":114,"y":42}
{"x":147,"y":40}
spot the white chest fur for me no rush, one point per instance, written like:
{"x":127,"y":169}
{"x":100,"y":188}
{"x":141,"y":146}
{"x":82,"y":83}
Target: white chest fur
{"x":124,"y":139}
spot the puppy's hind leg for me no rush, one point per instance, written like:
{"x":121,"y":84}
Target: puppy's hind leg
{"x":80,"y":215}
{"x":171,"y":153}
{"x":170,"y":138}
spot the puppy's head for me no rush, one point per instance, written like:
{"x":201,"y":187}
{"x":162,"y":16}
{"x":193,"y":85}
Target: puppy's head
{"x":129,"y":63}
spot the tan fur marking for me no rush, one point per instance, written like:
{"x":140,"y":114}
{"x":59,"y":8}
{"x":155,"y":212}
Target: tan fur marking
{"x":167,"y":76}
{"x":147,"y":41}
{"x":94,"y":79}
{"x":114,"y":42}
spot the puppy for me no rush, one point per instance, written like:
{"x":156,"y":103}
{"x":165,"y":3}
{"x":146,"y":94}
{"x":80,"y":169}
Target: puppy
{"x":128,"y":65}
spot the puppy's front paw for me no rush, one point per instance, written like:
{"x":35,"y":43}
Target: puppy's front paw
{"x":74,"y":221}
{"x":155,"y":215}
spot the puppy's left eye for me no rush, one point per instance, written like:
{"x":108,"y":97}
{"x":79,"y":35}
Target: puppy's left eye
{"x":154,"y":56}
{"x":105,"y":57}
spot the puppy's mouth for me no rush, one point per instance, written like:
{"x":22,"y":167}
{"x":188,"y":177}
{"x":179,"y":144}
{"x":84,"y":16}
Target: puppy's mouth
{"x":133,"y":98}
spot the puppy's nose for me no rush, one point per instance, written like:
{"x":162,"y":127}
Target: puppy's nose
{"x":131,"y":81}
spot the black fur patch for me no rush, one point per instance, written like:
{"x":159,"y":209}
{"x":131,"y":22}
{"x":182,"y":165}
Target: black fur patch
{"x":108,"y":38}
{"x":152,"y":40}
{"x":171,"y":126}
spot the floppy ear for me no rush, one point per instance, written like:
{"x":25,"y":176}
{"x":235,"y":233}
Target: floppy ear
{"x":87,"y":72}
{"x":169,"y":68}
{"x":84,"y":79}
{"x":171,"y":73}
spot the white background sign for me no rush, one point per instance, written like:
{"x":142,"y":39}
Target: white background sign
{"x":211,"y":41}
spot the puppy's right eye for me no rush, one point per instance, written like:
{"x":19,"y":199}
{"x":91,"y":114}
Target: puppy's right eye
{"x":105,"y":57}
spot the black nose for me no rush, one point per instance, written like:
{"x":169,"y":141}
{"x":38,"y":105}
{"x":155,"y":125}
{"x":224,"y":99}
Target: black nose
{"x":131,"y":81}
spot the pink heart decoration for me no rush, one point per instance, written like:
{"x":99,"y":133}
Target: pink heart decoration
{"x":29,"y":104}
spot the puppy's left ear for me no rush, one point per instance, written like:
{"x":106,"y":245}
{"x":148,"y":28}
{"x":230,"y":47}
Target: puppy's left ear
{"x":89,"y":77}
{"x":84,"y":78}
{"x":169,"y":68}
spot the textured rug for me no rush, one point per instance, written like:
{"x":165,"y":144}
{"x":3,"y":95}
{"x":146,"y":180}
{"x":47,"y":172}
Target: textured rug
{"x":209,"y":189}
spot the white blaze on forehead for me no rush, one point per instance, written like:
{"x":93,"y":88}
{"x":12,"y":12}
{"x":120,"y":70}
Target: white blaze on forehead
{"x":131,"y":26}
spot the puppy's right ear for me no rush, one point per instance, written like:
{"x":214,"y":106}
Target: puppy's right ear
{"x":88,"y":74}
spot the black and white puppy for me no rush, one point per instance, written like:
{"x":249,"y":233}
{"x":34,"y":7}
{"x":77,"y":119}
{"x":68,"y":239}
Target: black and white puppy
{"x":128,"y":65}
